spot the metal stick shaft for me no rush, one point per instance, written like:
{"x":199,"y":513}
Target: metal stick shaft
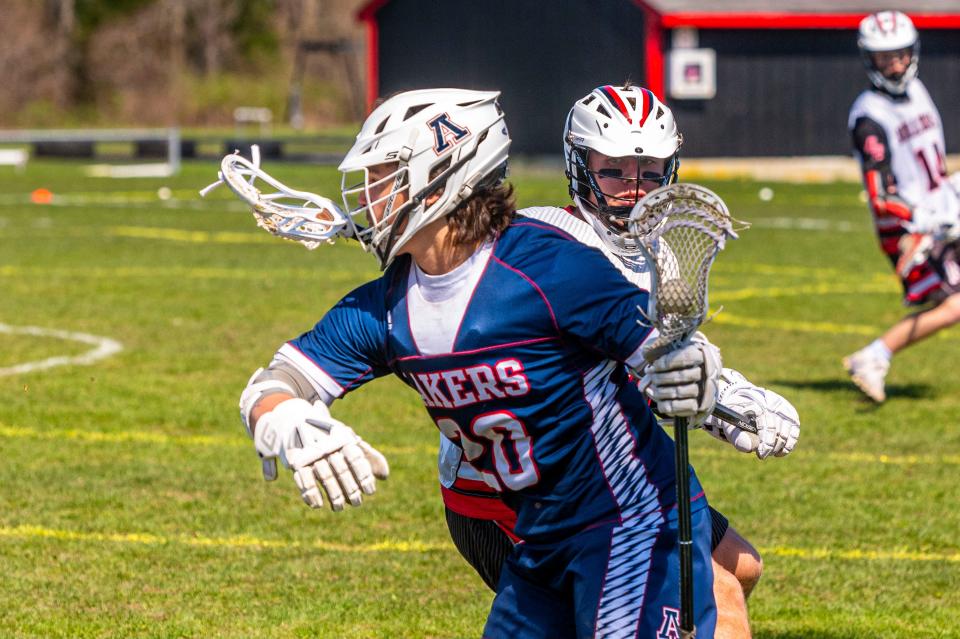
{"x":744,"y":422}
{"x":684,"y":527}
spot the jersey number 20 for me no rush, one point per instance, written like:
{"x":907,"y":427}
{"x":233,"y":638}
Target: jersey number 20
{"x":502,"y":437}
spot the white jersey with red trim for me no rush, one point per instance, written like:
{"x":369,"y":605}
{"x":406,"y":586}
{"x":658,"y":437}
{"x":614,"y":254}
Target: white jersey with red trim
{"x":914,"y":143}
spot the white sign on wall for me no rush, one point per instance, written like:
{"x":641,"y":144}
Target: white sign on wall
{"x":693,"y":74}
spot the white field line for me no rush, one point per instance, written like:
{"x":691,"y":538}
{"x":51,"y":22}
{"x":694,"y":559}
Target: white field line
{"x":102,"y":347}
{"x":250,"y":542}
{"x":808,"y":224}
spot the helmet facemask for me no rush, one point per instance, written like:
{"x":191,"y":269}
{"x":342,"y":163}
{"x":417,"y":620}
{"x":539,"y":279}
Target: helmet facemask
{"x":377,"y":206}
{"x":636,"y":137}
{"x":609,"y":191}
{"x":894,"y":85}
{"x":889,"y":33}
{"x":417,"y":158}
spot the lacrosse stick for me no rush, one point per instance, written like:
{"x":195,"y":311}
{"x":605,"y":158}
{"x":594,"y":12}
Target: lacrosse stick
{"x":301,"y":216}
{"x":680,"y":228}
{"x":927,"y":234}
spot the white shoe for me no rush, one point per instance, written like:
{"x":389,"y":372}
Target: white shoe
{"x":868,"y":372}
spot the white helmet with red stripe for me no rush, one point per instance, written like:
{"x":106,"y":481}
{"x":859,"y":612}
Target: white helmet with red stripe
{"x":883,"y":32}
{"x":617,"y":122}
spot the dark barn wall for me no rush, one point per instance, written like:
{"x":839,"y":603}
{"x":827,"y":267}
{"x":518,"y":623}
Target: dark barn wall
{"x":788,"y":92}
{"x":541,"y":55}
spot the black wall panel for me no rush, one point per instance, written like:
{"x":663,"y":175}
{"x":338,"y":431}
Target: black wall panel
{"x":541,"y":55}
{"x":779,"y":92}
{"x":789,"y":92}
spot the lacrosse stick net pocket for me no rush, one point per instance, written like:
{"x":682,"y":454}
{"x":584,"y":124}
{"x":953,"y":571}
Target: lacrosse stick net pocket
{"x":679,"y":228}
{"x":288,"y":213}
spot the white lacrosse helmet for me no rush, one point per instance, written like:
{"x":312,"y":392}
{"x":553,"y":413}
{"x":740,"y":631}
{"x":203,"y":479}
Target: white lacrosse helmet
{"x":888,"y":31}
{"x":454,"y":140}
{"x":617,"y":122}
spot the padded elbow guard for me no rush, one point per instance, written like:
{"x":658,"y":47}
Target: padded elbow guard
{"x":277,"y":378}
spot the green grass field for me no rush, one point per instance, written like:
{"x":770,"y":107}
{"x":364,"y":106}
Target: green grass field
{"x":132,"y":504}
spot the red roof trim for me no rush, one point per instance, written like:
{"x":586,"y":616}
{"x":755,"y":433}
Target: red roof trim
{"x":373,"y":62}
{"x":655,"y":23}
{"x":368,"y":10}
{"x":793,"y":20}
{"x":368,"y":15}
{"x":653,"y":51}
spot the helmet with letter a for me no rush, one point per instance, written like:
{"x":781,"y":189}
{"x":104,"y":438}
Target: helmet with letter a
{"x":417,"y":158}
{"x":618,"y":144}
{"x":890,"y":48}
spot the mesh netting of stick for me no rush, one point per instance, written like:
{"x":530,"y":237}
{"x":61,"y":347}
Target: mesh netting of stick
{"x":680,"y":228}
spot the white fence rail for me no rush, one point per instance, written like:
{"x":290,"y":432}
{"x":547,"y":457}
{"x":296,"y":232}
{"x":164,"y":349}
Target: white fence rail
{"x":93,"y":136}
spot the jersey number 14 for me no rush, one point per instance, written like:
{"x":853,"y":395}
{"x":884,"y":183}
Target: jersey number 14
{"x":937,"y":170}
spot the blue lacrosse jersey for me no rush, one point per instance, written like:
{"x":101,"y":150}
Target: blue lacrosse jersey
{"x":533,"y":389}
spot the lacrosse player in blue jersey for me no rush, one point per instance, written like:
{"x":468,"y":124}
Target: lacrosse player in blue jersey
{"x":515,"y":336}
{"x":620,"y":143}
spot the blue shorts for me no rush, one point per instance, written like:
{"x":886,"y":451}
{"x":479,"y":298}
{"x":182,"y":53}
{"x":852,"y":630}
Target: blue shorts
{"x":607,"y":581}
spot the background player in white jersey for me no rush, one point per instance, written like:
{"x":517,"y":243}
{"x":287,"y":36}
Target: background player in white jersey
{"x":898,"y":138}
{"x":515,"y":337}
{"x":620,"y":143}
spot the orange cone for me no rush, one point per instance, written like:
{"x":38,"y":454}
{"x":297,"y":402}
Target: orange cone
{"x":41,"y":196}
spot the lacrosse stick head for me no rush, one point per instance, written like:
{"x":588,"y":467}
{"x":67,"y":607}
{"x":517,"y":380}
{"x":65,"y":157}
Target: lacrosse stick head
{"x":288,"y":213}
{"x":679,"y":229}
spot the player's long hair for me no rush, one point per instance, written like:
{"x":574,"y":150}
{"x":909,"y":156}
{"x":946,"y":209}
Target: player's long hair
{"x":484,"y":216}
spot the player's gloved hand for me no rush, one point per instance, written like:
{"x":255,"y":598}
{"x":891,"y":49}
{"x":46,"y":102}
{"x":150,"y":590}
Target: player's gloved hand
{"x":683,"y":382}
{"x":914,"y":250}
{"x":777,"y":421}
{"x":317,"y":447}
{"x":939,"y":222}
{"x":954,"y":180}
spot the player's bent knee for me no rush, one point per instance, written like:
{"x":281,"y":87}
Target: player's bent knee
{"x":726,"y":586}
{"x":737,"y":556}
{"x":749,"y":573}
{"x":952,"y":306}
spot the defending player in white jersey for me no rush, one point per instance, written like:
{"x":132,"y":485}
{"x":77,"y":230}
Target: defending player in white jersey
{"x":898,"y":138}
{"x":620,"y":143}
{"x":515,"y":336}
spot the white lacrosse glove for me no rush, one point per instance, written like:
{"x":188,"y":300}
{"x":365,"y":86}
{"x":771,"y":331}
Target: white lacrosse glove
{"x":778,"y":424}
{"x":315,"y":446}
{"x":954,"y":180}
{"x":683,"y":382}
{"x":914,"y":250}
{"x":938,"y":222}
